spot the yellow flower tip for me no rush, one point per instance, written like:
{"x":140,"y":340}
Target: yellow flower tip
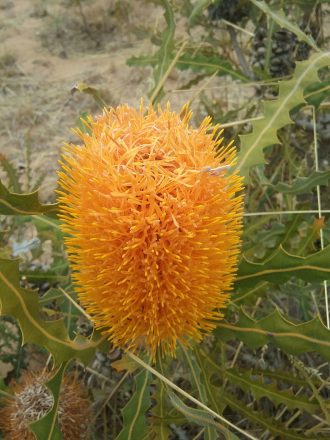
{"x":31,"y":400}
{"x":154,"y":216}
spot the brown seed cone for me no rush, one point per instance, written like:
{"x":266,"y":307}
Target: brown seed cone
{"x":32,"y":400}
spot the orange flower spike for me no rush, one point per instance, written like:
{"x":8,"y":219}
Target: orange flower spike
{"x":154,"y":221}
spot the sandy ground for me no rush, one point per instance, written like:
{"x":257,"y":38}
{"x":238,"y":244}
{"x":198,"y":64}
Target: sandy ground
{"x":47,"y":47}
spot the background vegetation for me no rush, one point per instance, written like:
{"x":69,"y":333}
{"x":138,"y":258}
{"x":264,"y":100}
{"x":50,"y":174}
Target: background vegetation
{"x":261,"y":69}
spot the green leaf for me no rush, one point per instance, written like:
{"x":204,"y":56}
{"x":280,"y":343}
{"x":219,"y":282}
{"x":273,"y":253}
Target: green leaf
{"x":12,"y":175}
{"x":198,"y":416}
{"x":257,"y":383}
{"x":47,"y":427}
{"x":134,"y":413}
{"x":22,"y":304}
{"x":34,"y":276}
{"x":51,"y":295}
{"x":83,"y":123}
{"x":197,"y":382}
{"x":215,"y":369}
{"x":317,"y":93}
{"x":281,"y":19}
{"x":198,"y":10}
{"x":196,"y":62}
{"x":289,"y":378}
{"x":249,"y":293}
{"x":3,"y":386}
{"x":209,"y":64}
{"x":165,"y":52}
{"x":142,"y":60}
{"x":277,"y":112}
{"x":310,"y":336}
{"x":213,"y":392}
{"x":159,"y":427}
{"x":260,"y":389}
{"x":303,"y":184}
{"x":281,"y":265}
{"x":267,"y":423}
{"x":23,"y":204}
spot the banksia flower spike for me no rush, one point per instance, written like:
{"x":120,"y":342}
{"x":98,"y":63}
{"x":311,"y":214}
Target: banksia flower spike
{"x":31,"y":400}
{"x":154,"y":219}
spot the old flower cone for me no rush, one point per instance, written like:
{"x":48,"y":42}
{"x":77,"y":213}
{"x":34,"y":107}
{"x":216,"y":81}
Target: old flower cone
{"x":31,"y":400}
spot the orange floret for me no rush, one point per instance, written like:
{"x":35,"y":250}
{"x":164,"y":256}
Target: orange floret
{"x":154,"y":218}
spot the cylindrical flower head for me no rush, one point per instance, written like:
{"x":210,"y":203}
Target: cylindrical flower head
{"x":154,"y":218}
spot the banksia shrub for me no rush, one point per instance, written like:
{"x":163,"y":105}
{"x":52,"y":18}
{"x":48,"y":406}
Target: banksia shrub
{"x":153,"y":216}
{"x":31,"y":400}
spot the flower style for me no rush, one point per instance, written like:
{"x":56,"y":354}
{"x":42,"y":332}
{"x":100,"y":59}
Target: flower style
{"x":152,"y":210}
{"x":31,"y":400}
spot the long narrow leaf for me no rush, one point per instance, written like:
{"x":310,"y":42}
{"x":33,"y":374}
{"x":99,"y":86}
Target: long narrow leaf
{"x":198,"y":383}
{"x":311,"y":336}
{"x":165,"y":52}
{"x":302,"y":185}
{"x":267,"y":423}
{"x":134,"y":413}
{"x":198,"y":416}
{"x":281,"y":19}
{"x":198,"y":62}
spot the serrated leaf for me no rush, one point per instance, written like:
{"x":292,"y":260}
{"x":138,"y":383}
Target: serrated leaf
{"x":134,"y":413}
{"x":212,"y":391}
{"x":310,"y":336}
{"x":277,"y":112}
{"x":23,"y":204}
{"x":260,"y":389}
{"x":281,"y":19}
{"x":266,"y":422}
{"x":22,"y":304}
{"x":47,"y":427}
{"x":281,"y":265}
{"x":303,"y":185}
{"x":159,"y":428}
